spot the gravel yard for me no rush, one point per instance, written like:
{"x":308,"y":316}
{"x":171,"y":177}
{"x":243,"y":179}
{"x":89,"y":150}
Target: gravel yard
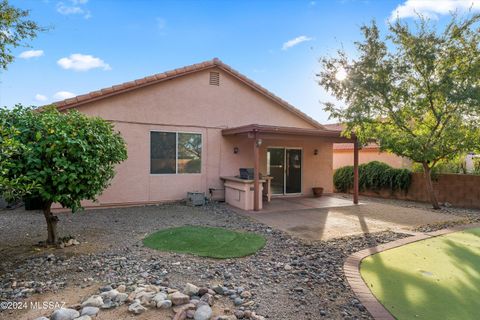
{"x":289,"y":278}
{"x":466,"y":215}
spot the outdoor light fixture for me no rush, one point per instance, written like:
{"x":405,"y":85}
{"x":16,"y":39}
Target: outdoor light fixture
{"x":315,"y":152}
{"x":235,"y":150}
{"x":259,"y":142}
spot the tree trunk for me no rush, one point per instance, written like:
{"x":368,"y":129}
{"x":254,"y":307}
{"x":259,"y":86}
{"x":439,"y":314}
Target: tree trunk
{"x":427,"y":173}
{"x":51,"y":223}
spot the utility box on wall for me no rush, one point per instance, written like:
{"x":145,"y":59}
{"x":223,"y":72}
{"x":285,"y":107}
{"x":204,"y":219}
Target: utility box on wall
{"x":196,"y":198}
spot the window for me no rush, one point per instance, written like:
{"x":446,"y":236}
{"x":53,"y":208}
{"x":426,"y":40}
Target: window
{"x":163,"y":152}
{"x":175,"y":152}
{"x":189,"y":152}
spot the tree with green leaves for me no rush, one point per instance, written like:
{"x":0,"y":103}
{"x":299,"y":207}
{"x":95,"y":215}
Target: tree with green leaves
{"x":415,"y":91}
{"x":56,"y":157}
{"x":15,"y":28}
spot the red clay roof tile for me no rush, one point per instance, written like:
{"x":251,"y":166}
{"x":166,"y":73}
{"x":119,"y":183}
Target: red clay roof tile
{"x":107,"y":90}
{"x":83,"y":97}
{"x":71,"y":100}
{"x":140,"y":81}
{"x":129,"y":84}
{"x":95,"y":93}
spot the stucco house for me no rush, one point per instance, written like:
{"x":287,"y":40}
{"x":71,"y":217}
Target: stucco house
{"x":191,"y":130}
{"x":343,"y":153}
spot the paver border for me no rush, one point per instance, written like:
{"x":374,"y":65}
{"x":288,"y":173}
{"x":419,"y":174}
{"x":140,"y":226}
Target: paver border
{"x":351,"y":268}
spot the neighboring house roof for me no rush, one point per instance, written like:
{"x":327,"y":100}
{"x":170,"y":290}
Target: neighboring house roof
{"x":168,"y":75}
{"x":347,"y":146}
{"x":334,"y":126}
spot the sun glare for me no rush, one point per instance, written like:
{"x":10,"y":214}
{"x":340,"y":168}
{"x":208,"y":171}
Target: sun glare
{"x":341,"y":74}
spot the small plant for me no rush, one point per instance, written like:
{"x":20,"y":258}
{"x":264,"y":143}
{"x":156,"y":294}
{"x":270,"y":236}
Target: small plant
{"x":373,"y":176}
{"x":476,"y":166}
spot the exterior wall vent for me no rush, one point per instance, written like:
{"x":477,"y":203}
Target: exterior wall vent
{"x":214,"y":78}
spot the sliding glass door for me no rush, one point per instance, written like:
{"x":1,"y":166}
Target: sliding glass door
{"x":293,"y":171}
{"x":285,"y":166}
{"x":276,"y":169}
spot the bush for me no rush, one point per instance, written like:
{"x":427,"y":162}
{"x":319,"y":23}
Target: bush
{"x":373,"y":176}
{"x":476,"y":166}
{"x":455,"y":166}
{"x":452,"y":166}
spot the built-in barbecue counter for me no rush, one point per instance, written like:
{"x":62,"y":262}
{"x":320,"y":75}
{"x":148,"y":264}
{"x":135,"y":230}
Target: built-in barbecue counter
{"x":239,"y":192}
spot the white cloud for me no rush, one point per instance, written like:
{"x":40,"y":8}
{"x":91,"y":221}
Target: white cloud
{"x":82,"y":62}
{"x":31,"y":54}
{"x":40,"y":97}
{"x":66,"y":9}
{"x":73,"y":7}
{"x":291,"y":43}
{"x":433,"y":8}
{"x":62,"y":95}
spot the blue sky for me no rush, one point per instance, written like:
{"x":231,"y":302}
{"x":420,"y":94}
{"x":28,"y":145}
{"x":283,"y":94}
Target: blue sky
{"x":93,"y":44}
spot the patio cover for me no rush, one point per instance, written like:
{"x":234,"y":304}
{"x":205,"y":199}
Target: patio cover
{"x":257,"y":132}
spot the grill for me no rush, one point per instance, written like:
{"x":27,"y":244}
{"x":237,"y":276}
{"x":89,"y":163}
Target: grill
{"x":246,"y":173}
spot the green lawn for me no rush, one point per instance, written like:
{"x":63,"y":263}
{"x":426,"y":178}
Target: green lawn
{"x":437,"y":278}
{"x":210,"y":242}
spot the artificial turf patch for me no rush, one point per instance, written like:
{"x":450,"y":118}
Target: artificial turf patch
{"x":210,"y":242}
{"x":436,"y":278}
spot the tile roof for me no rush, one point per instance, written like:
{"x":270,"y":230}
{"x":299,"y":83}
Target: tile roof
{"x":159,"y":77}
{"x":334,"y":126}
{"x":347,"y":146}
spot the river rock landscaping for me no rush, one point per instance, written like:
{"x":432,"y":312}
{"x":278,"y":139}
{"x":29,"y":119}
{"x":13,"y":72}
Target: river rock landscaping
{"x":287,"y":279}
{"x":193,"y":303}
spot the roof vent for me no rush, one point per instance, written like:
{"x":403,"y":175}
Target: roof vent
{"x":214,"y":78}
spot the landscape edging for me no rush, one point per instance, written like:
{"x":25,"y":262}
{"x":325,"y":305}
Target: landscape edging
{"x":351,"y":268}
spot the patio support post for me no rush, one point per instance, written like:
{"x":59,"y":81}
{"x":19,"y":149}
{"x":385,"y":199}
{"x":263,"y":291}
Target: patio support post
{"x":355,"y":172}
{"x":256,"y":176}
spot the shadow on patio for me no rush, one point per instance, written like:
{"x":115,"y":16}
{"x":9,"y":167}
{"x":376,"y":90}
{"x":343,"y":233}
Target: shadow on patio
{"x":331,"y":217}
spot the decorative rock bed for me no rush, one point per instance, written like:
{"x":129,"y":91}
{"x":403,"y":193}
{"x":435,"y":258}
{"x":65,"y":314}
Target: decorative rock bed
{"x":288,"y":278}
{"x":191,"y":303}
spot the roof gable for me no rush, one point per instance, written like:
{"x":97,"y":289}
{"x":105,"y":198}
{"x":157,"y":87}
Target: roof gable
{"x":168,"y":75}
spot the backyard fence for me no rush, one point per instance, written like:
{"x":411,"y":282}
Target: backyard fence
{"x":459,"y":190}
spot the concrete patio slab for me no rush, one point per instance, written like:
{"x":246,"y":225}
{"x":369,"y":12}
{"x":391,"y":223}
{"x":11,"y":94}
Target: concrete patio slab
{"x":330,"y":217}
{"x":301,"y":203}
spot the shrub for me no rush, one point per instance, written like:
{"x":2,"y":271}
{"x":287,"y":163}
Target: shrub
{"x":476,"y":166}
{"x":456,"y":165}
{"x":373,"y":176}
{"x":56,"y":157}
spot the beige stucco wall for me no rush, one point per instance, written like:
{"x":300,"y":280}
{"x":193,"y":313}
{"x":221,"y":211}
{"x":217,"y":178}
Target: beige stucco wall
{"x":191,"y":101}
{"x":190,"y":104}
{"x":343,"y":158}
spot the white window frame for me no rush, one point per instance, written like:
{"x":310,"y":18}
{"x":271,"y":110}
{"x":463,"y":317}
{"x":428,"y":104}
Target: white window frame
{"x":176,"y":153}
